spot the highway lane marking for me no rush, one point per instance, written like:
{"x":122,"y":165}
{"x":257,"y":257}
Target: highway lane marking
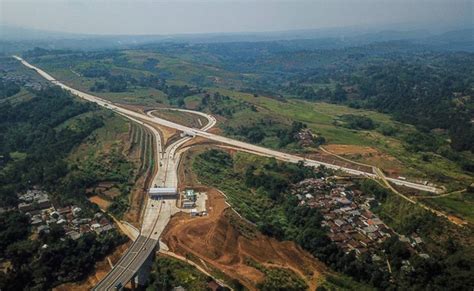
{"x":114,"y":280}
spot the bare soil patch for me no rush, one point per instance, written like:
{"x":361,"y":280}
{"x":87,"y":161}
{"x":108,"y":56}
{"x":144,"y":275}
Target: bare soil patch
{"x":101,"y":202}
{"x":340,"y":149}
{"x":226,"y":243}
{"x":368,"y":155}
{"x":330,"y":159}
{"x":167,"y":133}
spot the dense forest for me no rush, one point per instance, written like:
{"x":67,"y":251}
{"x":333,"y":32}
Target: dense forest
{"x":32,"y":144}
{"x":8,"y":88}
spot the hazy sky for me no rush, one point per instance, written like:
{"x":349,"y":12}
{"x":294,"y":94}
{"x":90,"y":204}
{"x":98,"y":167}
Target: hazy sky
{"x":171,"y":17}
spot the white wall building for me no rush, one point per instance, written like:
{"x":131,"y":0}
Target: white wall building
{"x":163,"y":193}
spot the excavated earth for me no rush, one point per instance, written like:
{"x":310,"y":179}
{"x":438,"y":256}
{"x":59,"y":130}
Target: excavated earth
{"x":224,"y":242}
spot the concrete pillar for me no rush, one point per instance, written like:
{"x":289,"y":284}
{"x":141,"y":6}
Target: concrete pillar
{"x":143,"y":273}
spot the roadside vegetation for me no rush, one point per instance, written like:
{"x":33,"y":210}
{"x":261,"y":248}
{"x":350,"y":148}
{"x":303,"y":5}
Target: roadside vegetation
{"x":184,"y":118}
{"x":461,"y":204}
{"x":107,"y":163}
{"x":168,"y":273}
{"x":277,"y":278}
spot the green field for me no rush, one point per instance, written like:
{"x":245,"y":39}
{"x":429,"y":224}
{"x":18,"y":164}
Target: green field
{"x":184,"y":70}
{"x":185,"y":118}
{"x":461,"y":204}
{"x":320,"y":119}
{"x":318,"y":116}
{"x":135,"y":95}
{"x":139,"y":96}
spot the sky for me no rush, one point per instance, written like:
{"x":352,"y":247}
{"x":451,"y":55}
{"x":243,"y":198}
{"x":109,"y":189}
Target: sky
{"x":195,"y":16}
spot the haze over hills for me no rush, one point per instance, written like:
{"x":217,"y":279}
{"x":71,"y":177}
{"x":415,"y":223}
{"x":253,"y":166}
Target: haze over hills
{"x":14,"y":38}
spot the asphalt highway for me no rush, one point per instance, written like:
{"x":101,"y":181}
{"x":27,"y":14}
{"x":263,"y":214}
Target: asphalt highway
{"x":157,"y":213}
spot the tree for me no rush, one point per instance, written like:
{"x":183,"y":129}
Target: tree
{"x":339,"y":94}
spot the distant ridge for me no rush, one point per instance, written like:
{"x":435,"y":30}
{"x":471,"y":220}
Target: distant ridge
{"x":25,"y":38}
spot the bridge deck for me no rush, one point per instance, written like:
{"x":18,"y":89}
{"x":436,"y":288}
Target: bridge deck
{"x":129,"y":264}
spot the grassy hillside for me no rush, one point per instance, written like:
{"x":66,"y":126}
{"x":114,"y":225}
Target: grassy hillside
{"x":168,"y":272}
{"x":102,"y":160}
{"x":461,"y":204}
{"x":323,"y":118}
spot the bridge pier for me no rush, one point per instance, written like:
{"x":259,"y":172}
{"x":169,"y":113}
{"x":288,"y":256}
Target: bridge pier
{"x":143,"y":274}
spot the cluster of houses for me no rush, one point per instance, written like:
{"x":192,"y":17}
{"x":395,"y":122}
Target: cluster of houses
{"x":43,"y":215}
{"x":34,"y":201}
{"x":347,"y":216}
{"x":305,"y":137}
{"x":27,"y":82}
